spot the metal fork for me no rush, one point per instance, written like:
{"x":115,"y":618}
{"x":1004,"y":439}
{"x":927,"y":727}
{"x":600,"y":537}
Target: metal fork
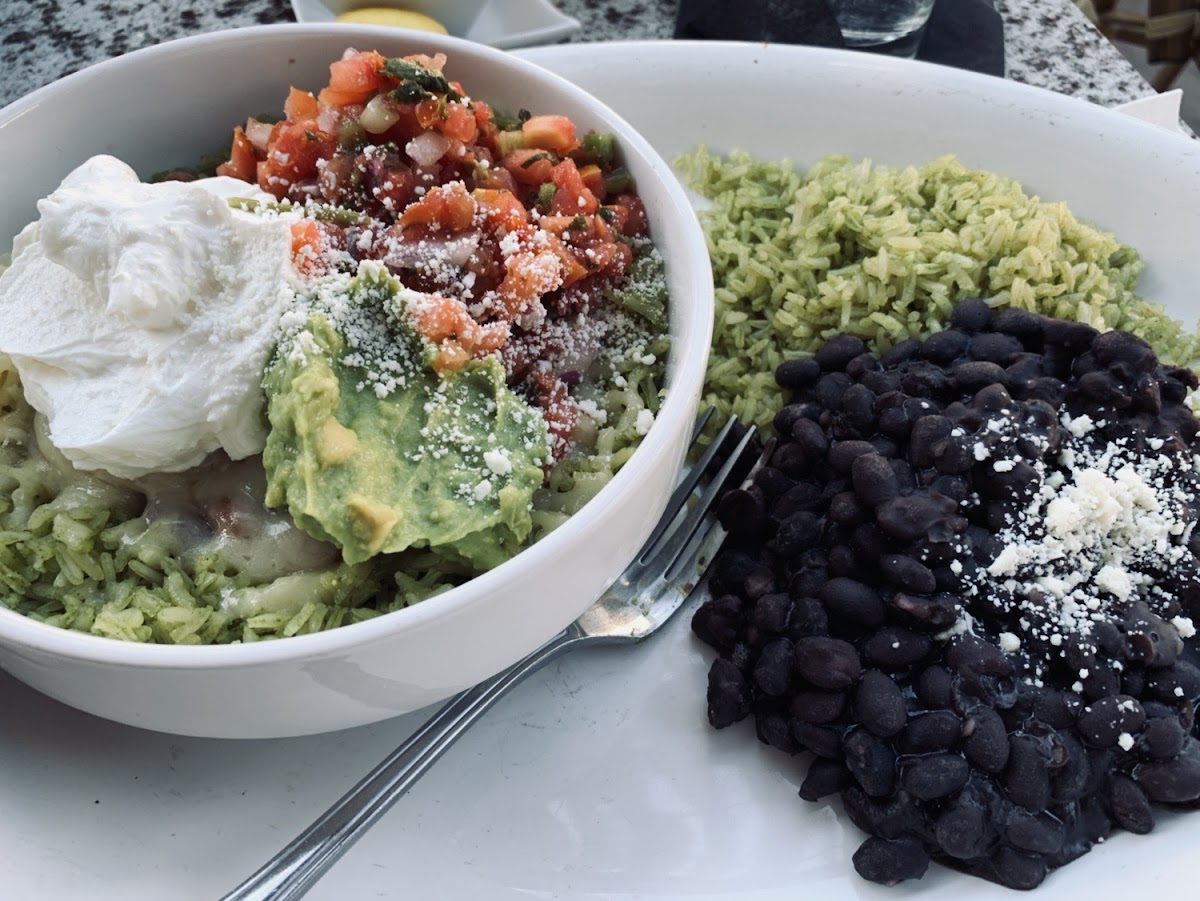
{"x":657,"y":582}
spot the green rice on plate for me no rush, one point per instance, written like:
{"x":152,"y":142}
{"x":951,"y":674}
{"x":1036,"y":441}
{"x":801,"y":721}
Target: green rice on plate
{"x":885,"y":253}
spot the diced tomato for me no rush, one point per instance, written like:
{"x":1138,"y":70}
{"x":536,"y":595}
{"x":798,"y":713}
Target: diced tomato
{"x":447,"y":206}
{"x":572,"y":270}
{"x":300,"y":105}
{"x":529,"y":166}
{"x":242,"y":163}
{"x":292,"y":155}
{"x":354,"y":79}
{"x":571,"y":197}
{"x":593,"y":179}
{"x":458,"y":123}
{"x":556,"y":133}
{"x":501,"y":209}
{"x":306,"y":245}
{"x":528,"y":276}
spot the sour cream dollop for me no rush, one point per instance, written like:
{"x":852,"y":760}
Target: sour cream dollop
{"x":140,"y":317}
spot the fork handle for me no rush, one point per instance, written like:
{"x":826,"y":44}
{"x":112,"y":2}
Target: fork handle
{"x":294,"y":870}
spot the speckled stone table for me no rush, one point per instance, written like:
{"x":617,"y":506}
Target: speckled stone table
{"x":1048,"y":43}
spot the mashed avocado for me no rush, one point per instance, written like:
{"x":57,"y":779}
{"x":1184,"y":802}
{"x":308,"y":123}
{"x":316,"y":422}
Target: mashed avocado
{"x":445,"y":462}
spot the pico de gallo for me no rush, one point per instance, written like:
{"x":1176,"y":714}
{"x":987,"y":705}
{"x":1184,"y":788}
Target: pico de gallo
{"x":516,"y":229}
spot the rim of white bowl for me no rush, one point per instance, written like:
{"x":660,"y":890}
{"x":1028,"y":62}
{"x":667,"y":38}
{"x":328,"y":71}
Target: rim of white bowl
{"x":675,"y":414}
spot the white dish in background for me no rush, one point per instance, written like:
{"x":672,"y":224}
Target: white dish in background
{"x":500,"y":23}
{"x":599,"y":777}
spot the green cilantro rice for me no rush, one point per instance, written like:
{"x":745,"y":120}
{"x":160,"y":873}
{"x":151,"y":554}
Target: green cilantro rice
{"x":884,"y":254}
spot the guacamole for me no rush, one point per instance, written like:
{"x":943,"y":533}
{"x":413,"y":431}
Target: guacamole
{"x":449,"y":462}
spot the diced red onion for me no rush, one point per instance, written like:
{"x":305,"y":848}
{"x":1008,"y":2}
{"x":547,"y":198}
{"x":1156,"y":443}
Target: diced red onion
{"x":427,"y":148}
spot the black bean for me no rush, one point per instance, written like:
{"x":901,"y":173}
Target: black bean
{"x":881,"y":382}
{"x":791,"y":460}
{"x":1129,"y":805}
{"x":907,"y":573}
{"x":843,"y":454}
{"x":932,"y":613}
{"x":1021,"y":324}
{"x":718,"y":621}
{"x":843,"y":561}
{"x":874,"y":479}
{"x":934,"y":687}
{"x":976,"y":654}
{"x":964,"y":831}
{"x":1120,"y":346}
{"x":971,"y":315}
{"x":828,"y":663}
{"x":915,"y":516}
{"x":869,"y":545}
{"x":847,"y":509}
{"x":1036,"y":832}
{"x":895,"y":423}
{"x":743,"y":511}
{"x":970,"y":377}
{"x":759,"y":581}
{"x":1072,"y":779}
{"x":1026,"y":778}
{"x":796,"y":533}
{"x":863,"y":364}
{"x":796,"y":374}
{"x":1063,"y":332}
{"x":935,"y":776}
{"x":889,"y":861}
{"x":1015,"y":869}
{"x":858,"y":409}
{"x":772,"y":482}
{"x":1023,"y":368}
{"x":789,"y":414}
{"x":1101,"y":389}
{"x":945,"y":347}
{"x":893,"y":646}
{"x":932,"y":730}
{"x":926,"y":432}
{"x":1103,"y":722}
{"x":808,"y":617}
{"x":818,"y":707}
{"x":839,"y":350}
{"x":985,"y":740}
{"x":811,"y":437}
{"x":824,"y":778}
{"x":879,"y":704}
{"x":854,"y":600}
{"x":1162,"y":738}
{"x":728,"y":694}
{"x":801,"y":496}
{"x":829,"y":389}
{"x":995,"y":347}
{"x":871,"y":761}
{"x":824,"y":741}
{"x":1057,"y":708}
{"x":1172,"y":781}
{"x":924,"y":380}
{"x":773,"y":729}
{"x":773,"y":670}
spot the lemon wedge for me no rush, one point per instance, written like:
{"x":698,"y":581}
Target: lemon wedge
{"x":397,"y":18}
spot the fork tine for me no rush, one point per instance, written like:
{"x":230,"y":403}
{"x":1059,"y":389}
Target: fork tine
{"x":685,"y":488}
{"x":677,"y":541}
{"x":699,"y":551}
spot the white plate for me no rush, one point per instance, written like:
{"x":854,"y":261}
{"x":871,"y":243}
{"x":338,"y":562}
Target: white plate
{"x":599,"y":778}
{"x":500,"y":23}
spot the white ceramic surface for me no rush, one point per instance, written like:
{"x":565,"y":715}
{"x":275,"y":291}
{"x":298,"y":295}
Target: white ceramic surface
{"x":599,"y":778}
{"x":369,"y":671}
{"x":499,"y":23}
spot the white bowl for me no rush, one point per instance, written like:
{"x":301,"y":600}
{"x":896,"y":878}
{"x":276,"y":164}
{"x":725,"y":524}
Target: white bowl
{"x":166,"y":106}
{"x":499,"y":23}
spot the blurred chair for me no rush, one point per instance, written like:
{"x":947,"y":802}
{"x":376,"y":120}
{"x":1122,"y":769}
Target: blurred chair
{"x":1169,"y":30}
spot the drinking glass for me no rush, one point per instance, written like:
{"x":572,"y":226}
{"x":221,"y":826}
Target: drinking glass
{"x":887,"y":26}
